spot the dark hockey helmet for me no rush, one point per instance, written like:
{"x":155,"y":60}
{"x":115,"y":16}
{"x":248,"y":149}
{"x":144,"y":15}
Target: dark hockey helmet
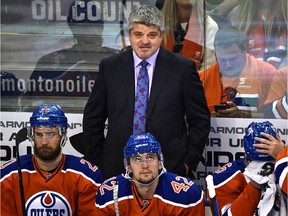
{"x":49,"y":115}
{"x":142,"y":143}
{"x":252,"y":131}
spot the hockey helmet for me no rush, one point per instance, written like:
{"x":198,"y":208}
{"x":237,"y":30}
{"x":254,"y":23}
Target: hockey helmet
{"x":142,"y":143}
{"x":49,"y":115}
{"x":252,"y":131}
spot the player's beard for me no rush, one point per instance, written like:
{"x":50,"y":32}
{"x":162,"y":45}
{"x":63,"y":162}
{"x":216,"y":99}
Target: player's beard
{"x":47,"y":153}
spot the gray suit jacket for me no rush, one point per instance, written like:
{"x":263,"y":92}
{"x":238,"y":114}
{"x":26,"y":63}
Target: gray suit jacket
{"x":177,"y":113}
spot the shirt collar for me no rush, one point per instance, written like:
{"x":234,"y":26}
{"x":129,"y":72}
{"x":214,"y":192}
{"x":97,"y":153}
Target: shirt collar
{"x":151,"y":60}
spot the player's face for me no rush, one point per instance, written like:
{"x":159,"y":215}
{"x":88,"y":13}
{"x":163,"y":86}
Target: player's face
{"x":231,"y":60}
{"x":145,"y":40}
{"x":47,"y":143}
{"x":145,"y":167}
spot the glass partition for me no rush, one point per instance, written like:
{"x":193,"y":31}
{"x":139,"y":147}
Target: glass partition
{"x":51,"y":49}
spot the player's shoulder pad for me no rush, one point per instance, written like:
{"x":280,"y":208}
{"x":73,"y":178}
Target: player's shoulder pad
{"x":117,"y":185}
{"x":228,"y":171}
{"x":11,"y":166}
{"x":83,"y":167}
{"x":179,"y":190}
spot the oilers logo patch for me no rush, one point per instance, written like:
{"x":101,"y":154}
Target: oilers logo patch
{"x":44,"y":110}
{"x":48,"y":203}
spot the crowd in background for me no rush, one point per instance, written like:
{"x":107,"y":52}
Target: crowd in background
{"x":263,"y":24}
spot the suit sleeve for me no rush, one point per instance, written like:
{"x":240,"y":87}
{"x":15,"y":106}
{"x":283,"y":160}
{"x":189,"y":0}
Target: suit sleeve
{"x":198,"y":116}
{"x":95,"y":115}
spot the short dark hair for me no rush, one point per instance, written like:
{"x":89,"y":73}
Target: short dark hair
{"x":229,"y":35}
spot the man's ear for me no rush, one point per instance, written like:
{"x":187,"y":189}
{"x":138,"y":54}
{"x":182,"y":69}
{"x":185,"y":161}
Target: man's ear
{"x":127,"y":166}
{"x":129,"y":169}
{"x":161,"y":165}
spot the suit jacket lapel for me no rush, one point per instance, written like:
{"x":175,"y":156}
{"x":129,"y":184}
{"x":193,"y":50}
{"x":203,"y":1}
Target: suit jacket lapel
{"x":128,"y":79}
{"x":160,"y":76}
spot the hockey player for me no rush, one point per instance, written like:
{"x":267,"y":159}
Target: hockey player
{"x":281,"y":174}
{"x":146,"y":188}
{"x":54,"y":183}
{"x":247,"y":186}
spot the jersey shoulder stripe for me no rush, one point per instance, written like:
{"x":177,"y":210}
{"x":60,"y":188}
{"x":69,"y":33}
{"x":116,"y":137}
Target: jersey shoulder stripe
{"x":106,"y":190}
{"x":172,"y":189}
{"x":228,"y":171}
{"x":12,"y":166}
{"x":178,"y":190}
{"x":84,"y":168}
{"x":281,"y":169}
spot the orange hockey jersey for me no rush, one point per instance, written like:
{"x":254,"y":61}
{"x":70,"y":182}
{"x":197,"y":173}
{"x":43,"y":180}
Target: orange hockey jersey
{"x":281,"y":173}
{"x":174,"y":195}
{"x":68,"y":190}
{"x":281,"y":170}
{"x":235,"y":195}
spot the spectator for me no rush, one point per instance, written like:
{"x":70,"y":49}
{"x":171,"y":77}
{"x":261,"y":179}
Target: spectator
{"x":276,"y":104}
{"x":184,"y":31}
{"x":175,"y":108}
{"x":264,"y":24}
{"x":237,"y":79}
{"x":53,"y":182}
{"x":221,"y":7}
{"x":249,"y":181}
{"x":220,"y":11}
{"x":146,"y":188}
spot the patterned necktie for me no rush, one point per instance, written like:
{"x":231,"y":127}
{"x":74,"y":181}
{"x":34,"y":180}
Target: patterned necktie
{"x":141,"y":99}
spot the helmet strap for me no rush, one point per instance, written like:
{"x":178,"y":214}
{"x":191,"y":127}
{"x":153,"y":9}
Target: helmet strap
{"x":63,"y":140}
{"x":128,"y":176}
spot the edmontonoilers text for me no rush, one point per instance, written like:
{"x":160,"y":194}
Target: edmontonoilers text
{"x":80,"y":84}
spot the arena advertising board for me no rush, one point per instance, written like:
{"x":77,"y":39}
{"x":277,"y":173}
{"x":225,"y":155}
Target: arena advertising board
{"x":57,"y":10}
{"x":225,"y":142}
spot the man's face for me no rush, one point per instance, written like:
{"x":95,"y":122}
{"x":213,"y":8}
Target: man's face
{"x":145,"y":167}
{"x":231,"y":60}
{"x":47,"y":143}
{"x":145,"y":40}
